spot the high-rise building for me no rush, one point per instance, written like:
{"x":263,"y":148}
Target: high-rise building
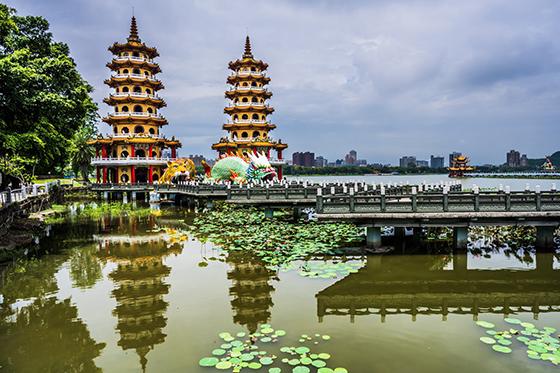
{"x":351,"y":157}
{"x":420,"y":163}
{"x":452,"y":156}
{"x":248,"y":127}
{"x":436,"y":162}
{"x":524,"y":161}
{"x":407,"y":161}
{"x":513,"y":158}
{"x":320,"y":161}
{"x":297,"y":158}
{"x":306,"y":159}
{"x":134,"y":151}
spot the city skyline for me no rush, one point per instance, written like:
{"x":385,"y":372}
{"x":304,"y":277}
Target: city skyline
{"x":378,"y":86}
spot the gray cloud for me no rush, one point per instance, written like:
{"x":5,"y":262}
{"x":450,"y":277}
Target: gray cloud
{"x":386,"y":78}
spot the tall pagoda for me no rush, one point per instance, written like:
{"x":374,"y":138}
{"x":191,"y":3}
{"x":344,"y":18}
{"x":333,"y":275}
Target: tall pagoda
{"x":248,"y":126}
{"x":133,"y":153}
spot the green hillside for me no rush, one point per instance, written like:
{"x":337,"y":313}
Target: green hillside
{"x":537,"y":162}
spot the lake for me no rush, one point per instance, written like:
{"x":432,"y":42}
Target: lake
{"x":130,"y":294}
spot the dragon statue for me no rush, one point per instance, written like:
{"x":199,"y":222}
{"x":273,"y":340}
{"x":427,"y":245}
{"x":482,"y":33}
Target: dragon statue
{"x":179,"y":169}
{"x":239,"y":170}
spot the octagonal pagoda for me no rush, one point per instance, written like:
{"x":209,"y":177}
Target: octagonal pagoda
{"x":248,"y":128}
{"x":134,"y":152}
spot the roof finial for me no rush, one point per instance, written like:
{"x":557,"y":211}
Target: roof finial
{"x":133,"y":30}
{"x":248,"y":53}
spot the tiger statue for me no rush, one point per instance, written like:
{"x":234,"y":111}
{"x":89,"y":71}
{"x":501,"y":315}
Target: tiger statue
{"x":178,"y":170}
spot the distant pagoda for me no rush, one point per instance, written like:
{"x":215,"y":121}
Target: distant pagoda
{"x":459,"y":165}
{"x":248,"y":127}
{"x":133,"y":153}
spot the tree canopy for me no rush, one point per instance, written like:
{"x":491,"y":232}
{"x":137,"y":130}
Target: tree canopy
{"x":44,"y":100}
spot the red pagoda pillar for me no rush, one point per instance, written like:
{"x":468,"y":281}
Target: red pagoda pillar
{"x":150,"y":174}
{"x":173,"y":152}
{"x":98,"y":174}
{"x":104,"y":174}
{"x":280,"y":173}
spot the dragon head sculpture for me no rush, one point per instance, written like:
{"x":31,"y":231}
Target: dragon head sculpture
{"x":260,"y":168}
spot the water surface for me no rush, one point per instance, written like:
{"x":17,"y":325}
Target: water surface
{"x":123,"y":295}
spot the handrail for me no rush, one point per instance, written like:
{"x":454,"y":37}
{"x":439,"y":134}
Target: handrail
{"x":133,"y":58}
{"x":135,"y":113}
{"x":25,"y":192}
{"x":134,"y":94}
{"x":97,"y":159}
{"x":131,"y":75}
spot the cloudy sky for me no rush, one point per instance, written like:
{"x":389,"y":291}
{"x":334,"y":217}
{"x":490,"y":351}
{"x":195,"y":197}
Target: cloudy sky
{"x":383,"y":77}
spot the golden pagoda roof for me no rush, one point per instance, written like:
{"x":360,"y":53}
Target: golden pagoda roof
{"x":249,"y":144}
{"x":133,"y":43}
{"x":239,"y":108}
{"x":247,"y":59}
{"x":253,"y":91}
{"x":118,"y":80}
{"x":249,"y":126}
{"x":132,"y":62}
{"x":135,"y":139}
{"x":121,"y":98}
{"x":117,"y":118}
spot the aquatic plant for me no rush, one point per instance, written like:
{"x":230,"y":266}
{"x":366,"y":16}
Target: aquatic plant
{"x":241,"y":350}
{"x":334,"y":267}
{"x":539,"y":344}
{"x":276,"y":241}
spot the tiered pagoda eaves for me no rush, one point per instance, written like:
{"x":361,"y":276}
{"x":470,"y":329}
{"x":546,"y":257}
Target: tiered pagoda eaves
{"x":134,"y":151}
{"x":248,"y":127}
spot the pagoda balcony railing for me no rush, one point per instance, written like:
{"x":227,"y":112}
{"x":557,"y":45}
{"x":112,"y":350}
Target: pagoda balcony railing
{"x":247,"y":89}
{"x":248,"y":73}
{"x":132,"y":58}
{"x":135,"y":94}
{"x":123,"y":161}
{"x":135,"y":114}
{"x":247,"y":121}
{"x":132,"y":135}
{"x":255,"y":104}
{"x":131,"y":75}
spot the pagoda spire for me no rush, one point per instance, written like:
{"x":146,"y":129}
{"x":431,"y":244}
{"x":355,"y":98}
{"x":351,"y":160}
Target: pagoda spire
{"x":248,"y":53}
{"x":133,"y":31}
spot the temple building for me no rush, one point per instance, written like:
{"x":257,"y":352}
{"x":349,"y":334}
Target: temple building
{"x":134,"y":152}
{"x":248,"y":126}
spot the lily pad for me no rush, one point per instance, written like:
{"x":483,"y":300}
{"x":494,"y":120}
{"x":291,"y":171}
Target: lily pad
{"x":301,"y":369}
{"x":254,"y":365}
{"x":340,"y":370}
{"x":502,"y":349}
{"x":223,"y":365}
{"x":511,"y":320}
{"x":274,"y":370}
{"x":504,"y":342}
{"x":280,"y":332}
{"x":325,"y":370}
{"x":318,"y":363}
{"x":485,"y":324}
{"x":266,"y":360}
{"x":324,"y":356}
{"x":208,"y":361}
{"x":302,"y":350}
{"x":326,"y":337}
{"x":218,"y":352}
{"x":487,"y":340}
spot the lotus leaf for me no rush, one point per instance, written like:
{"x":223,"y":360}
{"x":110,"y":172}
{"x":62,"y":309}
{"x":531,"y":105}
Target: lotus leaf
{"x":218,"y":352}
{"x":511,"y":320}
{"x":208,"y":362}
{"x":266,"y":360}
{"x":274,"y":370}
{"x":487,"y":340}
{"x":485,"y":324}
{"x":502,"y":349}
{"x":301,"y":369}
{"x":223,"y":365}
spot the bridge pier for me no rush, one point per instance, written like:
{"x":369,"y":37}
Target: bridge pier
{"x":545,"y":237}
{"x":460,"y":237}
{"x":268,"y":213}
{"x":125,"y":197}
{"x":134,"y":196}
{"x":373,"y":237}
{"x":106,"y":196}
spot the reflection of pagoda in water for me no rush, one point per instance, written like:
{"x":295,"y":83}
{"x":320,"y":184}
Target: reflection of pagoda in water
{"x":251,"y":290}
{"x":140,"y":287}
{"x":419,"y":285}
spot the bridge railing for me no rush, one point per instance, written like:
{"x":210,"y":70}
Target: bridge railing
{"x":443,"y":202}
{"x":27,"y":191}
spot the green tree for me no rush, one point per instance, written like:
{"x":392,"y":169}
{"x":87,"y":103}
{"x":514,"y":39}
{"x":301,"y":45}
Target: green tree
{"x":81,"y":152}
{"x":43,"y":99}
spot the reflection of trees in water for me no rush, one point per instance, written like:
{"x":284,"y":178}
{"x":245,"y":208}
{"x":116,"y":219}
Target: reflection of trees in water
{"x":85,"y":267}
{"x":251,"y":290}
{"x":46,"y":335}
